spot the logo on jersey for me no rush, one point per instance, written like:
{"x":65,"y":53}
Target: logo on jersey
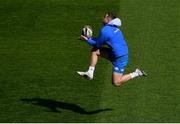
{"x":116,"y":68}
{"x":116,"y":30}
{"x":122,"y":70}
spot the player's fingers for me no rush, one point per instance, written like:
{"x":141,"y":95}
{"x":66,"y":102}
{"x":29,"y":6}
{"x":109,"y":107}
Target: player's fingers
{"x":83,"y":37}
{"x":80,"y":38}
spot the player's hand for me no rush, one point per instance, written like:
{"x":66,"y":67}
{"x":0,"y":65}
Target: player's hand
{"x":83,"y":38}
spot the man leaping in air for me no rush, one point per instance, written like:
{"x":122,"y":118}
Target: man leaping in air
{"x":116,"y":52}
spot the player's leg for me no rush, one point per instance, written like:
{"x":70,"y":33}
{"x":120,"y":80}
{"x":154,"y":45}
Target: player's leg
{"x":93,"y":61}
{"x":94,"y":57}
{"x":95,"y":53}
{"x":118,"y":77}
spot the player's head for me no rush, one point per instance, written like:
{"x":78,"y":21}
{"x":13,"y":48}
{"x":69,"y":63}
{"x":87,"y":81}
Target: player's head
{"x":108,"y":17}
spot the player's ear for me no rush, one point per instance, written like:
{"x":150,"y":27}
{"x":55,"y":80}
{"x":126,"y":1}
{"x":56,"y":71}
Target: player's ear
{"x":109,"y":19}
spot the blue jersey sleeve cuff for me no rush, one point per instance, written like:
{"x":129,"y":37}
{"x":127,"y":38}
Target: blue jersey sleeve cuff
{"x":91,"y":41}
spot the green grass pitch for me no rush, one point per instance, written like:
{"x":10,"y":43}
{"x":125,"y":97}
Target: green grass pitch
{"x":40,"y":54}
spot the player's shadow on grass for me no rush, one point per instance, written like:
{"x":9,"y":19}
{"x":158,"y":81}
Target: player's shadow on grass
{"x":54,"y":105}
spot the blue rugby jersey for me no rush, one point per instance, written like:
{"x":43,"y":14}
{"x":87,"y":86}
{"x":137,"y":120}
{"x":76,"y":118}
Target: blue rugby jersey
{"x":112,"y":36}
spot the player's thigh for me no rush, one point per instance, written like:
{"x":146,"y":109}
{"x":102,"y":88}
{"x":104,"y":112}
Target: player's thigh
{"x":119,"y":66}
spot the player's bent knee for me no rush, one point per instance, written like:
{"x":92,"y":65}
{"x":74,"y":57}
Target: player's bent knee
{"x":117,"y":79}
{"x":116,"y":83}
{"x":95,"y":52}
{"x":94,"y":49}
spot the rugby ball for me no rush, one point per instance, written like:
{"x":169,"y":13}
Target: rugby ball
{"x":87,"y":31}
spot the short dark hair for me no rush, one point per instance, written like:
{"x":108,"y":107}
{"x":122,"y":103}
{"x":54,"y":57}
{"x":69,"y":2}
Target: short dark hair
{"x":111,"y":14}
